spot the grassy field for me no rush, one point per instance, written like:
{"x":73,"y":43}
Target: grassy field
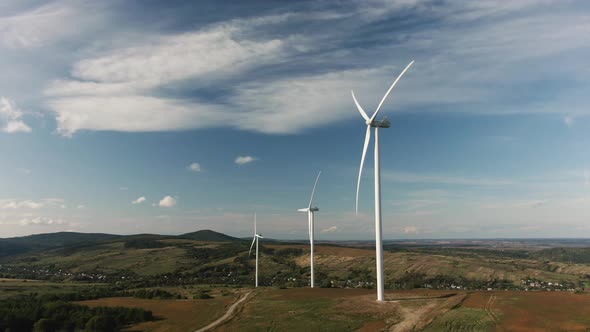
{"x":305,"y":309}
{"x":14,"y":287}
{"x":336,"y":261}
{"x":115,"y":257}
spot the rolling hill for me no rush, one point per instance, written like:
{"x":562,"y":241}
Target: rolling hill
{"x":208,"y":235}
{"x":210,"y":257}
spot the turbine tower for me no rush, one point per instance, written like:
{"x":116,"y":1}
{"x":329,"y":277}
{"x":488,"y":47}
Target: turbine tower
{"x":372,"y":122}
{"x":255,"y":239}
{"x":310,"y":210}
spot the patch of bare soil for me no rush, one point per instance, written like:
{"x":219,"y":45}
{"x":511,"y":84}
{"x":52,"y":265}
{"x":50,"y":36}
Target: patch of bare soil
{"x":383,"y":314}
{"x":418,"y":314}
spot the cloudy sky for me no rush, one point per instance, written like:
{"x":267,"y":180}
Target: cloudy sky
{"x":134,"y":117}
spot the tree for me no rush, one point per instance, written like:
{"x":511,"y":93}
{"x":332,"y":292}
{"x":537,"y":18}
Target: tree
{"x":45,"y":325}
{"x":100,"y":323}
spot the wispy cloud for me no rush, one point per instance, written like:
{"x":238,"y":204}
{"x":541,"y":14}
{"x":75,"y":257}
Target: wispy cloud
{"x":139,"y":200}
{"x":38,"y":26}
{"x":123,"y":79}
{"x":42,"y":221}
{"x":194,"y":167}
{"x":6,"y":204}
{"x":11,"y":117}
{"x":410,"y":230}
{"x":127,"y":88}
{"x":242,"y":160}
{"x":331,"y":229}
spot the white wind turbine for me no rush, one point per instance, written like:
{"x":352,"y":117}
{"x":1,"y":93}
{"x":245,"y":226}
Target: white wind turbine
{"x":310,"y":210}
{"x":255,"y":239}
{"x":373,"y":123}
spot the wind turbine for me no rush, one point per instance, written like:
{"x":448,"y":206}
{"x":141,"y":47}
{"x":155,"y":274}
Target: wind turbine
{"x":372,"y":122}
{"x":310,"y":210}
{"x":255,"y":239}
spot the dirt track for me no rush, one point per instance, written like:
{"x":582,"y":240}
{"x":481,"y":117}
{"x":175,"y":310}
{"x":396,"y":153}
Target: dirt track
{"x":228,"y":314}
{"x":489,"y":310}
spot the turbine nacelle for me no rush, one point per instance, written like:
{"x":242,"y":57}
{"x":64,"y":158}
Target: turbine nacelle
{"x":385,"y":123}
{"x":313,"y":209}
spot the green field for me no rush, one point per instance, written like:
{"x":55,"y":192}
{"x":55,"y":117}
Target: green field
{"x":14,"y":287}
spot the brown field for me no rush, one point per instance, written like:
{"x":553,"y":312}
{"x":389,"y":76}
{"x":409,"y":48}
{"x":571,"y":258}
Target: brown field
{"x":534,"y":311}
{"x":329,"y":309}
{"x":172,"y":315}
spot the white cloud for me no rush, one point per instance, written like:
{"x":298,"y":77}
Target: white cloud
{"x":33,"y":28}
{"x":410,"y":230}
{"x":568,"y":120}
{"x":170,"y":58}
{"x":131,"y":113}
{"x":47,"y":24}
{"x":242,"y":160}
{"x":330,"y":230}
{"x":41,"y":221}
{"x":194,"y":167}
{"x":139,"y":200}
{"x":10,"y":117}
{"x":6,"y":204}
{"x":494,"y":51}
{"x":81,"y":206}
{"x":21,"y":205}
{"x":167,"y":201}
{"x":124,"y":79}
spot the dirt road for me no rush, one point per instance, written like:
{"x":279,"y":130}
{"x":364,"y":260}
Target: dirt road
{"x":228,"y":314}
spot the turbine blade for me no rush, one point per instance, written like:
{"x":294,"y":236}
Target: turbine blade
{"x":389,"y":91}
{"x":254,"y":223}
{"x":252,"y":245}
{"x":358,"y":106}
{"x":303,"y":210}
{"x":358,"y":184}
{"x":313,"y":191}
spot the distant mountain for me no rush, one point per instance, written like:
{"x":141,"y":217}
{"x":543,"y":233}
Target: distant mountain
{"x":73,"y":241}
{"x":208,"y":235}
{"x":16,"y":245}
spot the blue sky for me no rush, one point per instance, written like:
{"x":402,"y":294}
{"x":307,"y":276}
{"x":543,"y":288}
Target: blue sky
{"x":106,"y":105}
